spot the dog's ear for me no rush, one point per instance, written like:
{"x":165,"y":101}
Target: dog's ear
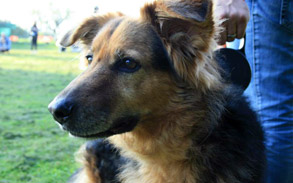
{"x":87,"y":30}
{"x":187,"y":30}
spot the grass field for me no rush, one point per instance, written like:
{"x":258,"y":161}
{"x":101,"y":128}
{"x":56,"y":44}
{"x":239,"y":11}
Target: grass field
{"x":32,"y":147}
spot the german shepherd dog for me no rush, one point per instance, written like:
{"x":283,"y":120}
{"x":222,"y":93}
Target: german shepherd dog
{"x":154,"y":90}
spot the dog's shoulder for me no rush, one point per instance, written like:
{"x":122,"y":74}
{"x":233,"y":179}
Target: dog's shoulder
{"x":239,"y":116}
{"x":234,"y":149}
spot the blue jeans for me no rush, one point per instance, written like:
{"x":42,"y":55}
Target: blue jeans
{"x":269,"y":50}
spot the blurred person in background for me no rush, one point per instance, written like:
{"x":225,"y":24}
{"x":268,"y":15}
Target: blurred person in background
{"x":5,"y":43}
{"x":34,"y":34}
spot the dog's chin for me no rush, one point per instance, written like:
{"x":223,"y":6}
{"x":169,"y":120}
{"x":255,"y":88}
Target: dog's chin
{"x":121,"y":125}
{"x":92,"y":136}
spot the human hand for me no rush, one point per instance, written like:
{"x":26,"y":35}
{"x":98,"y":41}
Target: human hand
{"x":236,"y":16}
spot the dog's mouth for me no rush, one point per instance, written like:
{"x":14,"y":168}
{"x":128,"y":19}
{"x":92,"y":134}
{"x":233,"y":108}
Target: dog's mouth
{"x":121,"y":125}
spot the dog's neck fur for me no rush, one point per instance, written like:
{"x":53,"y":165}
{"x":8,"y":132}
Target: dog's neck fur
{"x":160,"y":153}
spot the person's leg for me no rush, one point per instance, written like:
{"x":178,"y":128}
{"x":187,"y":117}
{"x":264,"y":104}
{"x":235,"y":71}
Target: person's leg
{"x":36,"y":43}
{"x":269,"y":49}
{"x":32,"y":43}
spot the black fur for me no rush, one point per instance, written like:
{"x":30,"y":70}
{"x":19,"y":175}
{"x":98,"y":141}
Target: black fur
{"x":160,"y":57}
{"x":236,"y":142}
{"x":108,"y":159}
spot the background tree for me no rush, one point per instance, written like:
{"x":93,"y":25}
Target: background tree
{"x":15,"y":30}
{"x":50,"y":20}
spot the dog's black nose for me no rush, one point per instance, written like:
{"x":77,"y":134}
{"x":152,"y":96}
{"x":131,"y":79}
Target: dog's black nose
{"x":60,"y":109}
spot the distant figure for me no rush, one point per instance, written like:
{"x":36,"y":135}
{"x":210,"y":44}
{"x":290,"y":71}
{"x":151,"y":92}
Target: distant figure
{"x":34,"y":34}
{"x":5,"y":43}
{"x":96,"y":10}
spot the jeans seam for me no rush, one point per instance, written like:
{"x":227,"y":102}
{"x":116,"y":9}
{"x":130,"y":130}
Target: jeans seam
{"x":284,"y":5}
{"x":256,"y":64}
{"x":282,"y":19}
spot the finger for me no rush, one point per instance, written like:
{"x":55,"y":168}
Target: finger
{"x":231,"y":30}
{"x":223,"y":38}
{"x":223,"y":35}
{"x":241,"y":27}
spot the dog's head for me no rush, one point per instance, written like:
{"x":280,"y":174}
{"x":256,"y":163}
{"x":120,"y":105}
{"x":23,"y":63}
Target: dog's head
{"x":134,"y":66}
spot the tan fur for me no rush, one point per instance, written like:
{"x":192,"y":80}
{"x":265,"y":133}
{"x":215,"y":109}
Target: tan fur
{"x":163,"y":156}
{"x":161,"y":142}
{"x":89,"y":173}
{"x":195,"y":38}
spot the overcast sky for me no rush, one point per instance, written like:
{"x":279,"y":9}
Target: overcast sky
{"x":20,"y":12}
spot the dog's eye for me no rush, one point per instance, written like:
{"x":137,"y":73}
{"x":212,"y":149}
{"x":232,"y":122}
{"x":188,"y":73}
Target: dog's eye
{"x":89,"y":58}
{"x":128,"y":65}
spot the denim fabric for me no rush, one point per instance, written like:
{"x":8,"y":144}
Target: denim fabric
{"x":269,"y":50}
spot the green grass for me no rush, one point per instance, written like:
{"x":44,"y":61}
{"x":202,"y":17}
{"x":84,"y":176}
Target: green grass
{"x":32,"y":147}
